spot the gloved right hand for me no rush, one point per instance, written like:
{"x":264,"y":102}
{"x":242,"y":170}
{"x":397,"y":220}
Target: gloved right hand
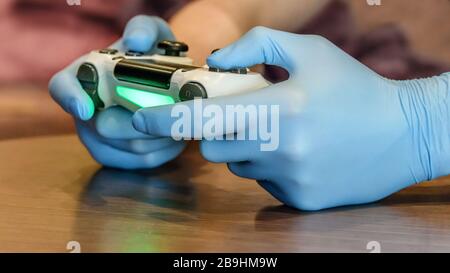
{"x":109,"y":135}
{"x":343,"y":134}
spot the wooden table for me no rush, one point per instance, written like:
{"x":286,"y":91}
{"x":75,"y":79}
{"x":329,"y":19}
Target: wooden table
{"x":52,"y":192}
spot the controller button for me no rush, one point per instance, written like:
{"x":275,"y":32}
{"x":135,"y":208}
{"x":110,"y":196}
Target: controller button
{"x":108,"y":51}
{"x":192,"y":90}
{"x":215,"y":69}
{"x":132,"y":53}
{"x":239,"y":70}
{"x":173,"y":48}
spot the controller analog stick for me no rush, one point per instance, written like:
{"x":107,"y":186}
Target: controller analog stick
{"x":173,"y":48}
{"x":192,"y":90}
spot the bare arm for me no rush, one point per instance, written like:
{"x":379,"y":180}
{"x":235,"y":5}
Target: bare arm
{"x":209,"y":24}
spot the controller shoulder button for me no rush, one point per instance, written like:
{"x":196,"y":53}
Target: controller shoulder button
{"x":215,"y":69}
{"x":239,"y":70}
{"x":132,"y":53}
{"x":109,"y":51}
{"x":242,"y":70}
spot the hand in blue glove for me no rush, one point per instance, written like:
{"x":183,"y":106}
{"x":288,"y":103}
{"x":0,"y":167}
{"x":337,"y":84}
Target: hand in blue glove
{"x":109,"y":135}
{"x":346,"y":135}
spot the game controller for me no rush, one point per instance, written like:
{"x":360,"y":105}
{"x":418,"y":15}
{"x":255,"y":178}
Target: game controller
{"x":134,"y":80}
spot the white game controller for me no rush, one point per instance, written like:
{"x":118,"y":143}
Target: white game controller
{"x":134,"y":80}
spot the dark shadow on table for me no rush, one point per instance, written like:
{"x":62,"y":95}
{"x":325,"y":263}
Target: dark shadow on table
{"x":272,"y":217}
{"x":165,"y":187}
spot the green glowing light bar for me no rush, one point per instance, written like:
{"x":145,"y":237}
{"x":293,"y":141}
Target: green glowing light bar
{"x":143,"y":98}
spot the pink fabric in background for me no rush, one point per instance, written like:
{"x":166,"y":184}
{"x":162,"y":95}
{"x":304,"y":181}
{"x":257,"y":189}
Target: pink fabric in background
{"x":39,"y":37}
{"x":385,"y":49}
{"x":38,"y":40}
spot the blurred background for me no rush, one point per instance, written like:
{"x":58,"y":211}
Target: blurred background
{"x":399,"y":39}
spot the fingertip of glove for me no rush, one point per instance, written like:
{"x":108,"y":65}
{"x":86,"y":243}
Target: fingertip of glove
{"x":76,"y":109}
{"x":220,"y":59}
{"x":138,"y":40}
{"x":138,"y":122}
{"x":214,"y":61}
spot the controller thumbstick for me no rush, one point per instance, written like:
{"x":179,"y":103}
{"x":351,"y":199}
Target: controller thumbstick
{"x":173,"y":48}
{"x":192,"y":90}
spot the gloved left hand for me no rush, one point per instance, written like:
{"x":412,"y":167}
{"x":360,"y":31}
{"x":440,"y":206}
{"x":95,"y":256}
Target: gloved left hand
{"x":109,"y":135}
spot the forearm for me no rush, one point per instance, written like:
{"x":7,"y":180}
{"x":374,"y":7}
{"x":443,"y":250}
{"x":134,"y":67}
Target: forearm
{"x":426,"y":105}
{"x":209,"y":24}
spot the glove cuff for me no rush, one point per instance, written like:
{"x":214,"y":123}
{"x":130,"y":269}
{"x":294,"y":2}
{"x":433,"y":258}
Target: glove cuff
{"x":426,"y":106}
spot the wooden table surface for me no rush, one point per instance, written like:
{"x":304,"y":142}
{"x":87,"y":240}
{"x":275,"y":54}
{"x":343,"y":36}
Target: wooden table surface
{"x":52,"y":192}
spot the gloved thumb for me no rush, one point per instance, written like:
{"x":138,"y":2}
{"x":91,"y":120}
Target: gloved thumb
{"x":66,"y":90}
{"x":143,"y":32}
{"x":259,"y":45}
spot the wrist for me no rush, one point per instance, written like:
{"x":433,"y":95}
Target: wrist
{"x":426,"y":106}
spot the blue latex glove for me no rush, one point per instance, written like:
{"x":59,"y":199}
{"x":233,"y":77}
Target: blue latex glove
{"x":347,"y":135}
{"x":109,"y":135}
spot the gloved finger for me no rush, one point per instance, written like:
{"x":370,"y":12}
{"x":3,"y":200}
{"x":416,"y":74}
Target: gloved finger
{"x":236,"y":114}
{"x":165,"y":120}
{"x":115,"y":123}
{"x":66,"y":90}
{"x":141,"y":146}
{"x":263,"y":45}
{"x":221,"y":151}
{"x":142,"y":32}
{"x":249,"y":170}
{"x":111,"y":157}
